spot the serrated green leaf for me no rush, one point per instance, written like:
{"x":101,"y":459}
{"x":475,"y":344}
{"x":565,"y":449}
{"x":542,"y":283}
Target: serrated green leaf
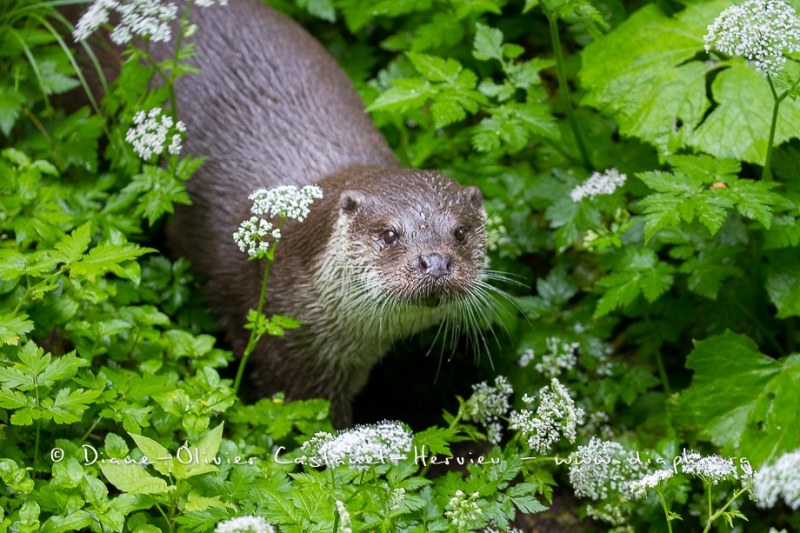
{"x":488,"y":43}
{"x":435,"y":68}
{"x":742,"y":400}
{"x":107,"y":258}
{"x":406,"y":94}
{"x":12,"y":264}
{"x":11,"y":103}
{"x":156,"y":454}
{"x":133,"y":479}
{"x":72,"y":246}
{"x":640,"y":273}
{"x":13,"y":326}
{"x":69,"y":405}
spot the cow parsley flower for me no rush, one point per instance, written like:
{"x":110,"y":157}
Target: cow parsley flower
{"x":640,"y":487}
{"x":780,"y":479}
{"x":712,"y":468}
{"x":602,"y":467}
{"x":599,"y":183}
{"x":148,"y":19}
{"x":254,"y":235}
{"x":554,"y":417}
{"x":761,"y":31}
{"x":361,"y":446}
{"x":560,"y":357}
{"x":244,"y":524}
{"x":150,"y":132}
{"x":487,"y":404}
{"x":285,"y":201}
{"x":345,"y":522}
{"x":463,"y":511}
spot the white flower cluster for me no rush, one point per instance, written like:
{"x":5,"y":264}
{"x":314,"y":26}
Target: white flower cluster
{"x":640,"y":487}
{"x":360,"y":446}
{"x":598,"y":183}
{"x":463,"y":510}
{"x":285,"y":201}
{"x":560,"y":357}
{"x":780,"y":479}
{"x":148,"y":19}
{"x":150,"y":133}
{"x":345,"y":522}
{"x":526,"y":357}
{"x":487,"y":404}
{"x":556,"y":415}
{"x":761,"y":31}
{"x":496,"y":232}
{"x":713,"y":468}
{"x":395,"y":499}
{"x":244,"y":524}
{"x":253,"y":236}
{"x":601,"y":467}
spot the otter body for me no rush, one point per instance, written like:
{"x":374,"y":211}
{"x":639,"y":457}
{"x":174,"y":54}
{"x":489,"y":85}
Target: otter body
{"x":385,"y":253}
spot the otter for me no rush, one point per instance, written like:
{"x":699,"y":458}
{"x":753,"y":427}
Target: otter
{"x":387,"y":251}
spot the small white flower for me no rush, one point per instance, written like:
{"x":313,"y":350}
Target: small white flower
{"x":463,"y":511}
{"x":361,"y":446}
{"x":244,"y":524}
{"x":150,"y":132}
{"x":599,"y":183}
{"x":495,"y":232}
{"x":602,"y":467}
{"x":487,"y":404}
{"x":780,"y":479}
{"x":285,"y":201}
{"x":146,"y":19}
{"x":527,"y":356}
{"x":761,"y":31}
{"x":253,"y":236}
{"x":556,"y":415}
{"x":395,"y":499}
{"x":712,"y":468}
{"x":640,"y":487}
{"x":560,"y":357}
{"x":345,"y":522}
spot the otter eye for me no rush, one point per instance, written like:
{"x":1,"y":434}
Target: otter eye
{"x":460,"y":233}
{"x":389,"y":236}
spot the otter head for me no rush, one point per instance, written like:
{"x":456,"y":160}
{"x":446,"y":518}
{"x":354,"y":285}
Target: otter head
{"x":417,"y":237}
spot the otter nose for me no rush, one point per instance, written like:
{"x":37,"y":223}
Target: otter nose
{"x":434,"y":265}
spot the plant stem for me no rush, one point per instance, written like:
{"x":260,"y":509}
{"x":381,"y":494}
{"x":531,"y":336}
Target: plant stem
{"x":254,"y":335}
{"x":766,"y":174}
{"x":722,"y":509}
{"x":666,"y":510}
{"x":561,"y":74}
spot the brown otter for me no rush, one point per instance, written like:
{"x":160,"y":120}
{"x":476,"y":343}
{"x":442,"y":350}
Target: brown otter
{"x":387,"y":252}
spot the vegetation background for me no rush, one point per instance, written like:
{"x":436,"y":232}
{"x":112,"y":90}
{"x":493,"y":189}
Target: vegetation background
{"x":668,"y":307}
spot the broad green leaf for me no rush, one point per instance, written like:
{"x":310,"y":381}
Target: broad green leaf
{"x":75,"y":521}
{"x":133,"y":479}
{"x":206,"y":452}
{"x":12,"y":264}
{"x":742,"y":400}
{"x":783,"y":282}
{"x":13,"y":326}
{"x":156,"y":454}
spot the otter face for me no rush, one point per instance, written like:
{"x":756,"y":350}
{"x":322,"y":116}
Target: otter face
{"x":420,"y":242}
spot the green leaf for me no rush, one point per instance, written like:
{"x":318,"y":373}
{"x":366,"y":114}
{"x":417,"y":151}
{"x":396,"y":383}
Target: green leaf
{"x":319,"y":8}
{"x":488,"y":43}
{"x":156,"y":454}
{"x":783,"y":282}
{"x":73,"y":246}
{"x":435,"y":68}
{"x":133,"y":479}
{"x":13,"y":326}
{"x":742,"y":400}
{"x":407,"y":94}
{"x":12,"y":264}
{"x":640,"y":273}
{"x":206,"y":450}
{"x":11,"y":103}
{"x":107,"y":258}
{"x":69,"y":406}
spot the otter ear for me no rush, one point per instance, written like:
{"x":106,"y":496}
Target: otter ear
{"x":474,"y":197}
{"x":349,"y":201}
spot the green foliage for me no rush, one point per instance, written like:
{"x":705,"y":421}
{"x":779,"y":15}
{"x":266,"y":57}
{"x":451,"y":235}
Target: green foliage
{"x":667,"y":307}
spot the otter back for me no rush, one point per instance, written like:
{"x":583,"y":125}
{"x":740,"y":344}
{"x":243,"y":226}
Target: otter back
{"x":387,"y":252}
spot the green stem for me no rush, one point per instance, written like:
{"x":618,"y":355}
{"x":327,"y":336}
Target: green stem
{"x":722,"y":509}
{"x":766,"y":174}
{"x":254,"y":335}
{"x":666,"y":510}
{"x":561,"y":74}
